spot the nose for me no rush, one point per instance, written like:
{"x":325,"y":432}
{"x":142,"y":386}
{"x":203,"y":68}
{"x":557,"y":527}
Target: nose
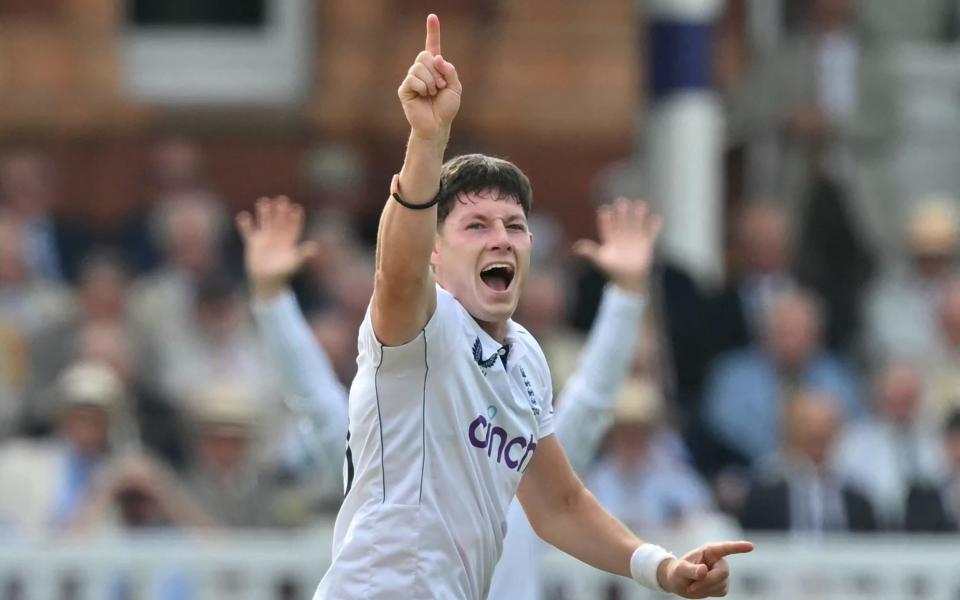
{"x":499,"y":237}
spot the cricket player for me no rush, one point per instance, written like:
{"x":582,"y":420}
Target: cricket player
{"x":450,"y":414}
{"x":311,"y":389}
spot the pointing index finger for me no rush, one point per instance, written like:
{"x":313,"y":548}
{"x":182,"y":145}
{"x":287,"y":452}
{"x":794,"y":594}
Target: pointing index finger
{"x":714,"y":552}
{"x":433,"y":35}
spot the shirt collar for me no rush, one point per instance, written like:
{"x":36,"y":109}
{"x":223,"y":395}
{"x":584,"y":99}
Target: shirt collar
{"x":513,"y":339}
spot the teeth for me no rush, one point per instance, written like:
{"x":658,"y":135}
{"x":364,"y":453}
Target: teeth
{"x":498,"y":266}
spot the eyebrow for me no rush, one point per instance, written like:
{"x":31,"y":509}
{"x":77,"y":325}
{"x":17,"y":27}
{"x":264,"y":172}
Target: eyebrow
{"x":482,"y":217}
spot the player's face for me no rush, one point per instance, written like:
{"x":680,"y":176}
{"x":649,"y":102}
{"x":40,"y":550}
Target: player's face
{"x":482,"y":255}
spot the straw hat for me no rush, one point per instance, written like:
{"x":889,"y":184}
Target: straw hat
{"x":933,"y":227}
{"x":640,"y":403}
{"x":92,"y":384}
{"x":226,"y":408}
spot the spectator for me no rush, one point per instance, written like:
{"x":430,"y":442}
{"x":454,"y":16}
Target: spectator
{"x":944,"y":366}
{"x":176,"y":168}
{"x":833,"y":260}
{"x":27,"y":305}
{"x":139,"y":494}
{"x":177,"y":165}
{"x":951,"y":494}
{"x":190,"y":229}
{"x":338,"y":338}
{"x":763,"y":254}
{"x":27,"y":302}
{"x":894,"y":451}
{"x":352,"y":287}
{"x":334,"y":178}
{"x":747,"y":388}
{"x":101,"y":298}
{"x":215,"y":341}
{"x":337,"y":249}
{"x":225,"y":476}
{"x":27,"y":194}
{"x":901,"y":308}
{"x":135,"y":496}
{"x":833,"y":114}
{"x":640,"y":478}
{"x":797,"y":491}
{"x":61,"y":470}
{"x":157,"y":423}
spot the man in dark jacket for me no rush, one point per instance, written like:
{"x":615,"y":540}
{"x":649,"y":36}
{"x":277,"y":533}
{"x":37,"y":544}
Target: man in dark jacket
{"x":798,"y":492}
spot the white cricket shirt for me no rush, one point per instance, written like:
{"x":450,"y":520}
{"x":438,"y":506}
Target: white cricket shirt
{"x":441,"y":430}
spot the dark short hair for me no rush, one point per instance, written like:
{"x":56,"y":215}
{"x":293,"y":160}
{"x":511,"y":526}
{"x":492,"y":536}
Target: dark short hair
{"x":477,"y":174}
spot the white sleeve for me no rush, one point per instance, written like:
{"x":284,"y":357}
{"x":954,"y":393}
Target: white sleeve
{"x":309,"y":384}
{"x":585,"y":407}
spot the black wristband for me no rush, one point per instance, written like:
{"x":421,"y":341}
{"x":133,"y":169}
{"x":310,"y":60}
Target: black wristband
{"x":405,"y":204}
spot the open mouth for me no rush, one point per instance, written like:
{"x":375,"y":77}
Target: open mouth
{"x":497,"y":276}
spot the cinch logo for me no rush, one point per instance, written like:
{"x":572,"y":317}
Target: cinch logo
{"x":514,"y":452}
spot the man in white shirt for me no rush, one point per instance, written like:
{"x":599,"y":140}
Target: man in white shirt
{"x":314,"y":394}
{"x":451,"y":411}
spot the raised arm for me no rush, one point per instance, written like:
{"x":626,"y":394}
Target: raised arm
{"x":404,"y":297}
{"x":628,"y":233}
{"x":273,"y":253}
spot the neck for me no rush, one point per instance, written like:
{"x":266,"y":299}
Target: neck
{"x":495,"y":329}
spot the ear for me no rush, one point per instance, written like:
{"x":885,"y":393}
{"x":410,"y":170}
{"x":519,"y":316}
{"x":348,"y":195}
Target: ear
{"x":435,"y":255}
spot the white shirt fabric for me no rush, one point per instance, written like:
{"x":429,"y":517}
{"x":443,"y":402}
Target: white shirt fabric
{"x":586,"y":406}
{"x":441,"y":430}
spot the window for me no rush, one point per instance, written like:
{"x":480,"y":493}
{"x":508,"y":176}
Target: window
{"x":216,"y":52}
{"x":196,"y":13}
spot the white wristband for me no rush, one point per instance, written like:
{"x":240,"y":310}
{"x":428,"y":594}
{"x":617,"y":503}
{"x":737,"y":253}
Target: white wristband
{"x":644,"y":563}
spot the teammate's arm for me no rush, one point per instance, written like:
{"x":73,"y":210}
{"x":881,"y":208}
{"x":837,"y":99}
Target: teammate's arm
{"x":273,"y":253}
{"x":565,"y":514}
{"x":628,"y":233}
{"x":404,"y":297}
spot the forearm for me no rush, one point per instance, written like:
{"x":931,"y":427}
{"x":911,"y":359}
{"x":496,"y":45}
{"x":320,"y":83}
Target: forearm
{"x":610,"y":347}
{"x":588,"y":399}
{"x":405,"y":237}
{"x":586,"y":531}
{"x":309,"y":384}
{"x":305,"y":371}
{"x":403,"y":295}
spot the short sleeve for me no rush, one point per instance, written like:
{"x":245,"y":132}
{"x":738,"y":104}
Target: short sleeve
{"x":436,"y":337}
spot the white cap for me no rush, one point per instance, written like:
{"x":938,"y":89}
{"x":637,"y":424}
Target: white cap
{"x":226,"y":407}
{"x":89,"y":383}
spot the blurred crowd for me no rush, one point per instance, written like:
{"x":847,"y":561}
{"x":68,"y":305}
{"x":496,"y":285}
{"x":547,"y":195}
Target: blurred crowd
{"x":817,"y":390}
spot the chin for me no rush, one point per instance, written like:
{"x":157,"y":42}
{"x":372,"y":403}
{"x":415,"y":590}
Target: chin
{"x":489,"y":312}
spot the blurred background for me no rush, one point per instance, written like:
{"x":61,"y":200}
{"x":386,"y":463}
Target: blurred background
{"x":799,"y":372}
